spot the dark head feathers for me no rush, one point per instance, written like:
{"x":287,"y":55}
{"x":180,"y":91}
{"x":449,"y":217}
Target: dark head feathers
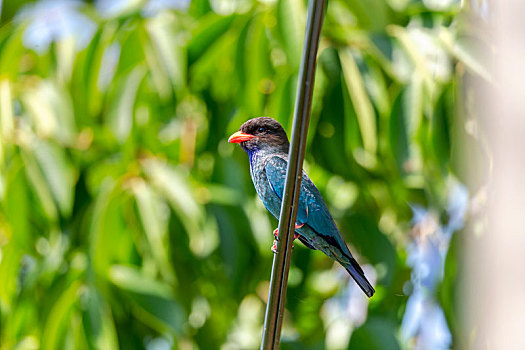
{"x":269,"y":135}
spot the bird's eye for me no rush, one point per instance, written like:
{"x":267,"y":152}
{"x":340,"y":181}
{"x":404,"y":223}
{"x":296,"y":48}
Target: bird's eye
{"x":261,"y":129}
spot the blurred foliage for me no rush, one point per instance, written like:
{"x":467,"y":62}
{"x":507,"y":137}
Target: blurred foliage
{"x":126,"y":219}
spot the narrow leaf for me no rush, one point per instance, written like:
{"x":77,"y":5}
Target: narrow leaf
{"x":153,"y":298}
{"x":154,"y":215}
{"x":121,"y":112}
{"x":363,"y":106}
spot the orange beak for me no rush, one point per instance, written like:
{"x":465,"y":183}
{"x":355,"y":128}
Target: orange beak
{"x":239,"y":137}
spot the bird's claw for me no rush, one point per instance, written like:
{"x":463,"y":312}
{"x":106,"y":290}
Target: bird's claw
{"x":296,"y":235}
{"x":276,"y":235}
{"x":274,"y":246}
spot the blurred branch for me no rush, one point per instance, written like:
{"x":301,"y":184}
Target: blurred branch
{"x":281,"y":262}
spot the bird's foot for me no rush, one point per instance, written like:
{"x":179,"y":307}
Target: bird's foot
{"x":276,"y":235}
{"x":274,"y":246}
{"x":276,"y":231}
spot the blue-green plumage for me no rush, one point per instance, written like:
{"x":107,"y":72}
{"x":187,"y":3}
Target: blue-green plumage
{"x":266,"y":143}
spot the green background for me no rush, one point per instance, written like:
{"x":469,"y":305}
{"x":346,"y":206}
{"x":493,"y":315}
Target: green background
{"x":128,"y":221}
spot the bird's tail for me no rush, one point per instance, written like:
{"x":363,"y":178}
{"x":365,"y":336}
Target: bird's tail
{"x":358,"y":275}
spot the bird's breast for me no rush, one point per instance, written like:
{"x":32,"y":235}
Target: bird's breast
{"x":263,"y":188}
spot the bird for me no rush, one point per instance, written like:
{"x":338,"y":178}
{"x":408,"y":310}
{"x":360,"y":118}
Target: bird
{"x":266,"y":142}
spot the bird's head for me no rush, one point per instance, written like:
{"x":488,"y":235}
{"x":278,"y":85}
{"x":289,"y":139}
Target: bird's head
{"x":261,"y":133}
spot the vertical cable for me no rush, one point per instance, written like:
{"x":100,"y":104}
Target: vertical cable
{"x":281,"y":262}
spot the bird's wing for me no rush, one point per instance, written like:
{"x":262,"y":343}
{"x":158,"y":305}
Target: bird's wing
{"x":276,"y":173}
{"x":312,"y":209}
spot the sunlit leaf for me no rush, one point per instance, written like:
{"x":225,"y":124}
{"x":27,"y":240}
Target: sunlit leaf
{"x":427,"y":56}
{"x":9,"y":266}
{"x":6,"y":110}
{"x":169,"y":47}
{"x":291,"y":17}
{"x":154,"y":215}
{"x":58,"y":319}
{"x":11,"y":54}
{"x":465,"y":50}
{"x":50,"y":110}
{"x":41,"y":187}
{"x":364,"y":110}
{"x":122,"y":109}
{"x":257,"y":67}
{"x":16,"y":205}
{"x":210,"y":29}
{"x":58,"y":173}
{"x":399,"y":134}
{"x":170,"y":182}
{"x":98,"y":251}
{"x":65,"y":51}
{"x":92,"y":68}
{"x":371,"y":15}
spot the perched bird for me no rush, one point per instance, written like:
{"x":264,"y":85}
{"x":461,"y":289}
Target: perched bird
{"x":266,"y":143}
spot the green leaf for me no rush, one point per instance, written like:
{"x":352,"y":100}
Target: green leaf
{"x":363,"y":107}
{"x":367,"y":336}
{"x":57,"y":321}
{"x":40,"y":186}
{"x":65,"y":55}
{"x":399,"y":134}
{"x":169,"y":182}
{"x":406,"y":118}
{"x":98,"y":321}
{"x":58,"y":173}
{"x":88,"y":82}
{"x":51,"y":111}
{"x":99,"y":252}
{"x":440,"y":128}
{"x":153,"y":299}
{"x":154,"y":215}
{"x":257,"y":68}
{"x":166,"y":39}
{"x":7,"y":122}
{"x":9,"y":267}
{"x":211,"y":27}
{"x":373,"y":15}
{"x":291,"y":19}
{"x":466,"y":51}
{"x":199,"y":8}
{"x":16,"y":205}
{"x":122,"y":108}
{"x":11,"y":53}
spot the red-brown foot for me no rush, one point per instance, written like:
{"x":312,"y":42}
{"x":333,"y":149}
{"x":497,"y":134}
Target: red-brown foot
{"x":276,"y":231}
{"x":276,"y":235}
{"x":274,"y":246}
